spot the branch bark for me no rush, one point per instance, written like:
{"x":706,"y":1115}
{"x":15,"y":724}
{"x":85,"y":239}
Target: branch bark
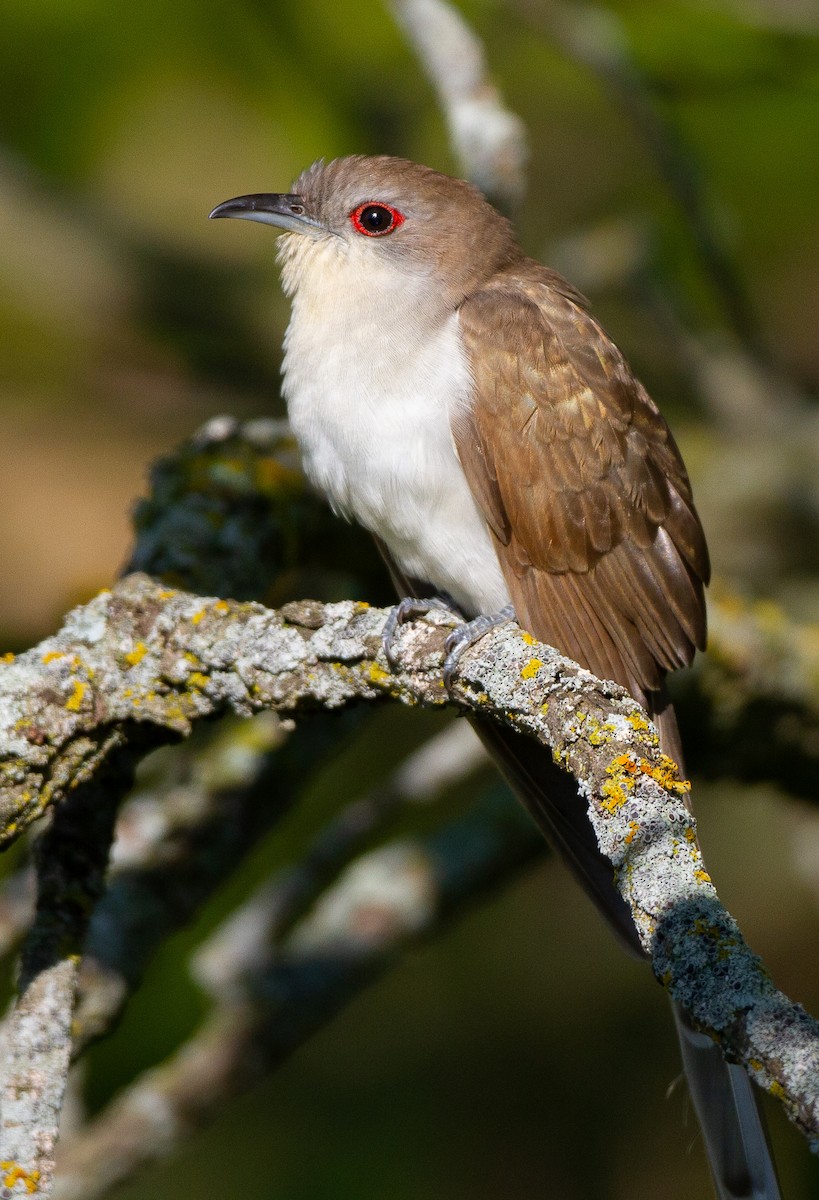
{"x":143,"y":657}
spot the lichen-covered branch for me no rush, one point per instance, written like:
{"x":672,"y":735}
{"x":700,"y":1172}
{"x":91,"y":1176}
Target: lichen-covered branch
{"x":70,"y":860}
{"x":231,"y":514}
{"x":143,"y":656}
{"x":143,"y":659}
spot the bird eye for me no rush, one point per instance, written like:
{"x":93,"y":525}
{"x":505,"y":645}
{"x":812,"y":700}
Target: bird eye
{"x":374,"y":220}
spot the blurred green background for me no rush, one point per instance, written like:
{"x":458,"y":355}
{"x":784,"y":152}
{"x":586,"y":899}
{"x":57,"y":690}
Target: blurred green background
{"x":521,"y":1054}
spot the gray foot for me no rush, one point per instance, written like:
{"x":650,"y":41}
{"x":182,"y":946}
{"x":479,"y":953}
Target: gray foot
{"x":468,"y":634}
{"x":406,"y":610}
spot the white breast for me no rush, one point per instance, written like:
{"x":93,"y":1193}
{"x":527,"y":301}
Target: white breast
{"x":371,"y":380}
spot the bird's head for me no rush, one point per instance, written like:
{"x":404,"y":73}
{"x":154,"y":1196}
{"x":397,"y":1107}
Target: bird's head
{"x":377,"y":214}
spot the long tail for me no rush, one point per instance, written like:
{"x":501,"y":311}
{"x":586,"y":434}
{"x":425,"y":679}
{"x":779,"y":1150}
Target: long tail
{"x":723,"y":1095}
{"x":732,"y":1125}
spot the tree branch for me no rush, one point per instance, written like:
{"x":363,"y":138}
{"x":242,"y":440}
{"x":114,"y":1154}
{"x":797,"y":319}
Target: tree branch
{"x":143,"y":656}
{"x":70,"y":858}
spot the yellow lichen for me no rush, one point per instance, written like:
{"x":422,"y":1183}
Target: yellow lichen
{"x":52,"y":655}
{"x":197,"y":617}
{"x":221,"y":606}
{"x":621,"y":772}
{"x":197,"y":680}
{"x":702,"y":876}
{"x":531,"y":669}
{"x":776,"y":1089}
{"x":16,"y":1174}
{"x":528,"y":639}
{"x":616,"y":796}
{"x":666,"y":775}
{"x":599,"y":734}
{"x":7,"y":657}
{"x":74,"y":701}
{"x":377,"y":674}
{"x":342,"y":671}
{"x":167,"y":594}
{"x":633,"y":830}
{"x":137,"y":654}
{"x":638,"y":722}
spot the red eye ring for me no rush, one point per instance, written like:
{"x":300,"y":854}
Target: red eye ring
{"x":375,"y":219}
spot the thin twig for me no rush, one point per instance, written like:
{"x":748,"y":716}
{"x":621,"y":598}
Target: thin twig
{"x":444,"y":760}
{"x":489,"y":140}
{"x":595,"y":37}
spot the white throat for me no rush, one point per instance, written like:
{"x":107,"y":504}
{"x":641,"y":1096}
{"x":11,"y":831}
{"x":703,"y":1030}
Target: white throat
{"x":374,"y":371}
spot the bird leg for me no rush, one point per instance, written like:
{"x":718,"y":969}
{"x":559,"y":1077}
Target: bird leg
{"x":459,"y":640}
{"x":406,"y":610}
{"x":468,"y":634}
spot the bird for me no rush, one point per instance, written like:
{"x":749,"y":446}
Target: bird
{"x":459,"y":400}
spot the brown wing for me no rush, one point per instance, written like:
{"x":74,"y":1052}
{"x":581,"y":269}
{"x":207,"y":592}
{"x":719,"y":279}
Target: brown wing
{"x":581,"y":483}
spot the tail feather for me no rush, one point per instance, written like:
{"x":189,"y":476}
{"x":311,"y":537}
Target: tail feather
{"x":732,"y":1125}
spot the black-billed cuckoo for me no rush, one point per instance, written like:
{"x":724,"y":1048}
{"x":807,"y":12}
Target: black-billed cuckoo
{"x":458,"y":400}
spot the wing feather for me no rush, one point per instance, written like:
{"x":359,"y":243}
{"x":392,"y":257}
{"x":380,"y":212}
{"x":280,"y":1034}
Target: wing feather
{"x":581,"y":484}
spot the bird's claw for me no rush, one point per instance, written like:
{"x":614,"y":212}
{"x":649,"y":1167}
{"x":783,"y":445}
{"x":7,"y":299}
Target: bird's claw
{"x":405,"y":610}
{"x":467,"y":635}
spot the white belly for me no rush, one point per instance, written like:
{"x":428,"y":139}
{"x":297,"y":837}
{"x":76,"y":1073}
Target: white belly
{"x":373,"y":426}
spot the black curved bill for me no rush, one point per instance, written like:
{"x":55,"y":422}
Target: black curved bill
{"x":284,"y":210}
